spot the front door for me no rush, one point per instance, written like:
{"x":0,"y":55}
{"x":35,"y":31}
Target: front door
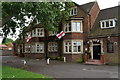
{"x":96,"y":51}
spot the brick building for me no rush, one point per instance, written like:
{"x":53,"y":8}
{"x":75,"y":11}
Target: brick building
{"x":82,"y":31}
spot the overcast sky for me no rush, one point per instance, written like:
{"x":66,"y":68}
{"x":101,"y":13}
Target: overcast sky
{"x":102,"y":4}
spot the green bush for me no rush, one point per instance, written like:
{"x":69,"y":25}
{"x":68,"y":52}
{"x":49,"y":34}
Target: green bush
{"x":61,"y":59}
{"x":53,"y":58}
{"x":79,"y":60}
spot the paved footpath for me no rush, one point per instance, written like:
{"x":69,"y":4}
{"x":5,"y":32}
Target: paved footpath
{"x":59,"y":69}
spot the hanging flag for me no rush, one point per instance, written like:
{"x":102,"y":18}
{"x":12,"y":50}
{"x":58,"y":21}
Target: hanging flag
{"x":28,"y":38}
{"x":60,"y":35}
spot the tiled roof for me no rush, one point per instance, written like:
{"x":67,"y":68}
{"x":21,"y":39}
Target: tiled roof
{"x":1,"y":45}
{"x":105,"y":14}
{"x":87,"y":7}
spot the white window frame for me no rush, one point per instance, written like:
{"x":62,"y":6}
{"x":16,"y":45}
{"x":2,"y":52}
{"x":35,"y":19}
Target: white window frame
{"x":33,"y":48}
{"x":41,"y":47}
{"x":76,"y":46}
{"x":67,"y":26}
{"x":76,"y":26}
{"x":26,"y":47}
{"x":69,"y":44}
{"x":71,"y":26}
{"x":38,"y":33}
{"x":35,"y":32}
{"x":73,"y":9}
{"x":52,"y":46}
{"x":72,"y":52}
{"x":104,"y":21}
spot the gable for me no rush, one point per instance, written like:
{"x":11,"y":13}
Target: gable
{"x":110,"y":13}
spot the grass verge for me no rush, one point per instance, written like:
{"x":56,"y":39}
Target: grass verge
{"x":10,"y":72}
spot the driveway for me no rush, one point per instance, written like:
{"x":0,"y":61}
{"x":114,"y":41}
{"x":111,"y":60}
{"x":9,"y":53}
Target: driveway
{"x":59,"y":69}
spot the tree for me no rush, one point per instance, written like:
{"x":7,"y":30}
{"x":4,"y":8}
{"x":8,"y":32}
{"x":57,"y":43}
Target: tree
{"x":50,"y":14}
{"x":7,"y":40}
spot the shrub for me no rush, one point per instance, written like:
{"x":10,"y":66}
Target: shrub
{"x":79,"y":60}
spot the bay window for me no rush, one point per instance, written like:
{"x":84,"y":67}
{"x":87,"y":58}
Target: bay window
{"x":73,"y":46}
{"x":67,"y":45}
{"x":73,"y":26}
{"x":76,"y":27}
{"x":76,"y":46}
{"x":67,"y":27}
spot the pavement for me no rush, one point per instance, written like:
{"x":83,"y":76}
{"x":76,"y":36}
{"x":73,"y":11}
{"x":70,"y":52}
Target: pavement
{"x":59,"y":69}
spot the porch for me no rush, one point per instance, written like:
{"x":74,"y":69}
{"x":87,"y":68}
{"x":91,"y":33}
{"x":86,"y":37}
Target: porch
{"x":88,"y":60}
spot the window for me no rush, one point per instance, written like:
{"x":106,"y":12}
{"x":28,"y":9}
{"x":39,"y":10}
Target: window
{"x":73,"y":46}
{"x":38,"y":32}
{"x":73,"y":11}
{"x":67,"y":27}
{"x":76,"y":46}
{"x":74,"y":26}
{"x":68,"y":46}
{"x":103,"y":24}
{"x":27,"y":48}
{"x":108,"y":23}
{"x":110,"y":47}
{"x":33,"y":48}
{"x":52,"y":46}
{"x":40,"y":47}
{"x":33,"y":33}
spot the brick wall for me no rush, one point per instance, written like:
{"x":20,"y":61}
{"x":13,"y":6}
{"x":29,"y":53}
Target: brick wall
{"x":35,"y":55}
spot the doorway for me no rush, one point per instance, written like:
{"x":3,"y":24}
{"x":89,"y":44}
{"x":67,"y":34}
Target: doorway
{"x":96,"y":51}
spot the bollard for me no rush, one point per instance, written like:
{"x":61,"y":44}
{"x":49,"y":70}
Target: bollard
{"x":64,"y":59}
{"x":24,"y":62}
{"x":48,"y":61}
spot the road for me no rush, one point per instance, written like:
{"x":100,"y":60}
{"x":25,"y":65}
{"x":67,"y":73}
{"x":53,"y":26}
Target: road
{"x":59,"y":69}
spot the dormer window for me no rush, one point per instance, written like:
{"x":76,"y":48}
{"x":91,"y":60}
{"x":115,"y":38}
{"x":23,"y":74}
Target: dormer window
{"x":73,"y":11}
{"x":110,"y":23}
{"x":38,"y":32}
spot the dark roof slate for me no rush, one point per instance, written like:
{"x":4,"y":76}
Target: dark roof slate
{"x":105,"y":14}
{"x":87,"y":7}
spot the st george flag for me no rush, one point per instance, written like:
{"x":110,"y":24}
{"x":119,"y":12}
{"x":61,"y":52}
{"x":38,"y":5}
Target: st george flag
{"x":28,"y":38}
{"x":60,"y":35}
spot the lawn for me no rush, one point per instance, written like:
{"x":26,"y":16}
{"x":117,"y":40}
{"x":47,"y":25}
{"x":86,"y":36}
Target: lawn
{"x":9,"y":72}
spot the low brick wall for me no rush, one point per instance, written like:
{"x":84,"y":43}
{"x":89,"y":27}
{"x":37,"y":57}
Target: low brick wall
{"x":34,"y":55}
{"x":111,"y":58}
{"x":6,"y":52}
{"x":53,"y":54}
{"x":73,"y":57}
